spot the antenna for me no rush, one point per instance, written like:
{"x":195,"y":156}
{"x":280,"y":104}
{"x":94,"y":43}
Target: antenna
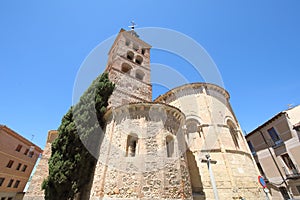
{"x":31,"y":149}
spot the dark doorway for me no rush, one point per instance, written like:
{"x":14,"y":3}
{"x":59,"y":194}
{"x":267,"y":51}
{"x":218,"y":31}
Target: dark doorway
{"x":284,"y":193}
{"x":197,"y":186}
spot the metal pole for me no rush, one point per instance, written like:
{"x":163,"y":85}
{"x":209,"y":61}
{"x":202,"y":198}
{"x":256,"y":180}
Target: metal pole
{"x":286,"y":185}
{"x":267,"y":196}
{"x":212,"y":178}
{"x":266,"y":192}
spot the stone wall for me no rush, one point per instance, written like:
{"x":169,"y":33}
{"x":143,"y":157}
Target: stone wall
{"x":130,"y":86}
{"x":128,"y":89}
{"x":212,"y":129}
{"x":235,"y":176}
{"x":35,"y":191}
{"x":151,"y":173}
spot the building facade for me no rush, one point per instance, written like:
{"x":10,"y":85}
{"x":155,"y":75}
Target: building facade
{"x":159,"y":149}
{"x":275,"y":146}
{"x":17,"y":159}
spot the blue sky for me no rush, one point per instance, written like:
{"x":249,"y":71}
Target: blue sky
{"x":255,"y":45}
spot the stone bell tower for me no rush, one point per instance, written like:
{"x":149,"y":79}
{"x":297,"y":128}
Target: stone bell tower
{"x":129,"y":68}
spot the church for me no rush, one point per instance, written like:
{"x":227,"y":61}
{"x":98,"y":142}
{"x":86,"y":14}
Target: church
{"x":185,"y":144}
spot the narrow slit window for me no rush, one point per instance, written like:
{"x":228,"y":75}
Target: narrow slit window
{"x":16,"y":185}
{"x":131,"y":149}
{"x":19,"y":147}
{"x":19,"y":166}
{"x":26,"y":151}
{"x":1,"y":181}
{"x":10,"y":163}
{"x":24,"y":168}
{"x":170,"y":146}
{"x":10,"y":182}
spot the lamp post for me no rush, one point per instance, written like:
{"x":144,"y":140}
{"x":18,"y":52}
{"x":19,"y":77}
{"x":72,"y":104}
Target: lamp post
{"x":212,"y":178}
{"x":284,"y":181}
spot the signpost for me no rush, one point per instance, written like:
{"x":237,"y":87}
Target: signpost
{"x":262,"y":182}
{"x":209,"y":161}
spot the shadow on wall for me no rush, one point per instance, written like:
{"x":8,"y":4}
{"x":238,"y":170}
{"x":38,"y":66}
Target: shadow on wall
{"x":196,"y":182}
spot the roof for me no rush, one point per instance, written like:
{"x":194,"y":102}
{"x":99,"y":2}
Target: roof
{"x":148,"y":103}
{"x":19,"y":137}
{"x":267,"y":122}
{"x":129,"y":35}
{"x":297,"y":125}
{"x":284,"y":112}
{"x":193,"y":86}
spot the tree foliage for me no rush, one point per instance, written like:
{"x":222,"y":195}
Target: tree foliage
{"x":74,"y":152}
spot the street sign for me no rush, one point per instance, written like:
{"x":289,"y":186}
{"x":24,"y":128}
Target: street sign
{"x":261,"y":180}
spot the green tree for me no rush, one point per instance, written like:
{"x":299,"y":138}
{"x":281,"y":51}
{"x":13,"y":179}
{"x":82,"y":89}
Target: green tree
{"x":75,"y":151}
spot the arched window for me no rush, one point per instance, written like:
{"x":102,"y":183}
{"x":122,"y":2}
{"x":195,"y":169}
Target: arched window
{"x":127,"y":42}
{"x":135,"y":47}
{"x":126,"y":68}
{"x":130,"y":55}
{"x":191,"y":126}
{"x":139,"y":60}
{"x":192,"y":129}
{"x":170,"y":146}
{"x":132,"y":142}
{"x":233,"y":133}
{"x":139,"y":74}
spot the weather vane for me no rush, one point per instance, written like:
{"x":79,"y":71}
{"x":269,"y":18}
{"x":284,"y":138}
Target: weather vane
{"x":133,"y":25}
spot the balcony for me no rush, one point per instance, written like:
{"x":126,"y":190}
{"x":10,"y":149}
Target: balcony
{"x":275,"y":144}
{"x":292,"y":173}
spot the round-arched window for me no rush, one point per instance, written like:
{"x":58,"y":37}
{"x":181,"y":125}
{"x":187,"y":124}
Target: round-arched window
{"x":192,"y":126}
{"x":130,"y":55}
{"x":131,"y":147}
{"x":170,"y":146}
{"x":233,"y":133}
{"x":126,"y":68}
{"x":139,"y":60}
{"x":139,"y":74}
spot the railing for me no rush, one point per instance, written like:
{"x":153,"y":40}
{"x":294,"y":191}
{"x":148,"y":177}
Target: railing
{"x":275,"y":144}
{"x":292,"y":173}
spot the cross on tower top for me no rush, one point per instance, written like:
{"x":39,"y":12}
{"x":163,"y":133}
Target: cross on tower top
{"x":132,"y":25}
